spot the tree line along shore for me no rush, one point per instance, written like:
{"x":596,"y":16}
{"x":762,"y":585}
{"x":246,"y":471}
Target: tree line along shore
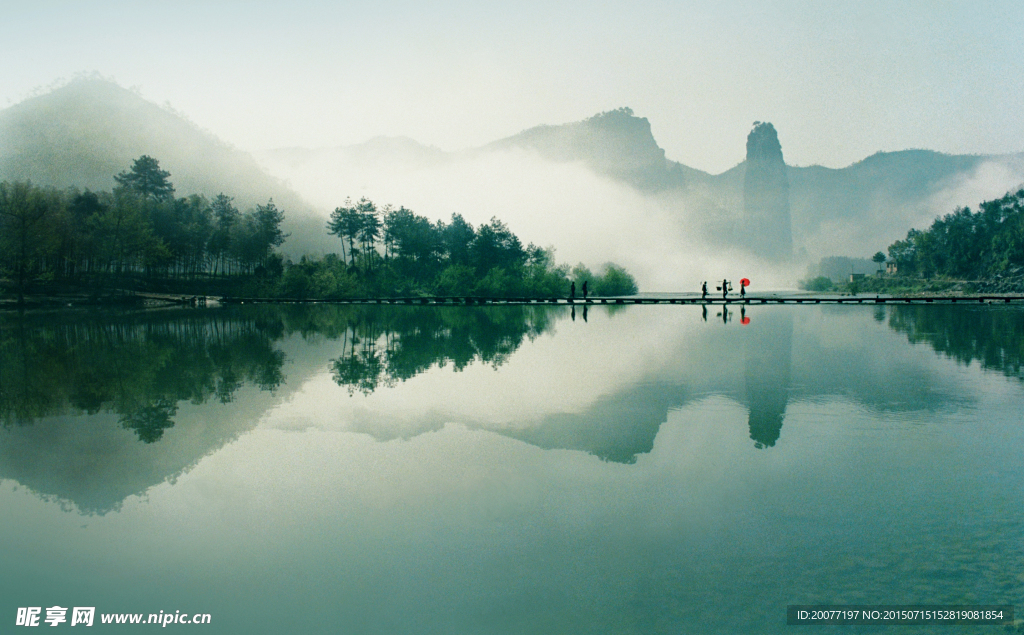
{"x":963,"y":252}
{"x":140,"y":237}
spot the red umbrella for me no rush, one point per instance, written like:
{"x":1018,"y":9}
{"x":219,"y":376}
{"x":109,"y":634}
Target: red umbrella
{"x":745,"y":282}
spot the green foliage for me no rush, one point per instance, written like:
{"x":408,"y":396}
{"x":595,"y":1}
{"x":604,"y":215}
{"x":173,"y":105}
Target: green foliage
{"x":615,"y":281}
{"x":612,"y":280}
{"x":543,"y":277}
{"x":326,"y":278}
{"x":359,"y":224}
{"x":225,"y":218}
{"x":818,"y":284}
{"x":966,"y":244}
{"x":136,"y":233}
{"x":146,"y":179}
{"x":447,"y":259}
{"x":456,"y":280}
{"x":499,"y":282}
{"x":150,"y":420}
{"x":139,"y":236}
{"x":495,"y":246}
{"x":23,"y":212}
{"x":580,"y":274}
{"x":456,"y":238}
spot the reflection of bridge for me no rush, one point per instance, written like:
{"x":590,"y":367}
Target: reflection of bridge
{"x":656,"y":299}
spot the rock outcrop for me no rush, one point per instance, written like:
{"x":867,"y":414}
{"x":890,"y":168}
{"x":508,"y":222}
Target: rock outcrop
{"x":615,"y":143}
{"x":768,"y":228}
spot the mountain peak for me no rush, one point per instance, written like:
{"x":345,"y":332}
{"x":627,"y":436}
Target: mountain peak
{"x":90,"y":129}
{"x":93,"y":86}
{"x":615,"y":142}
{"x":766,"y":195}
{"x":763,"y":143}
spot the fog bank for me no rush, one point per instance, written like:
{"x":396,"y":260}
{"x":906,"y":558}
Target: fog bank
{"x":586,"y":217}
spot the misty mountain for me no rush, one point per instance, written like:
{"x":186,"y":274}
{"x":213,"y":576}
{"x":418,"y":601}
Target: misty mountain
{"x":884,"y":195}
{"x":619,"y":144}
{"x":859,"y":208}
{"x":383,"y":153}
{"x":855,"y":210}
{"x":89,"y":130}
{"x":615,"y":143}
{"x":766,"y":209}
{"x":82,"y":134}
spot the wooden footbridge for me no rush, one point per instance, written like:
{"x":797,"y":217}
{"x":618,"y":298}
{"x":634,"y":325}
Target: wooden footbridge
{"x":653,"y":299}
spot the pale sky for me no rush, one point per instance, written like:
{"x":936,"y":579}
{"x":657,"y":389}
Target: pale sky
{"x":840,"y":80}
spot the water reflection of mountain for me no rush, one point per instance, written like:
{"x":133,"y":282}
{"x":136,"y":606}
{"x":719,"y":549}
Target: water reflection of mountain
{"x":616,"y":428}
{"x":752,"y":366}
{"x":786,"y":355}
{"x":97,"y":407}
{"x":767,"y":377}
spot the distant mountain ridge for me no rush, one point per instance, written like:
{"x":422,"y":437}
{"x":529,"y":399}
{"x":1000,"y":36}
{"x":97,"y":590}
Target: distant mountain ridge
{"x":876,"y":199}
{"x":615,"y":143}
{"x":87,"y":131}
{"x":865,"y":205}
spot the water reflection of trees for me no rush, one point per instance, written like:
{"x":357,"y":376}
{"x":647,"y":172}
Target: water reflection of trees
{"x":384,"y":345}
{"x":149,"y":371}
{"x":991,"y":335}
{"x":139,"y":366}
{"x":143,"y":366}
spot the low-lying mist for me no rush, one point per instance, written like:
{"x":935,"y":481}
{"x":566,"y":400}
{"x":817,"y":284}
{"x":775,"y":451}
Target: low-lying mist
{"x":989,"y":180}
{"x":596,"y":191}
{"x":586,"y":217}
{"x":887,"y":217}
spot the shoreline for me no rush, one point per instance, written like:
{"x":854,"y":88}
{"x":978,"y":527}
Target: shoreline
{"x":153,"y":301}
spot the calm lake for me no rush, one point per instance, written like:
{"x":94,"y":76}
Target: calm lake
{"x":637,"y":469}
